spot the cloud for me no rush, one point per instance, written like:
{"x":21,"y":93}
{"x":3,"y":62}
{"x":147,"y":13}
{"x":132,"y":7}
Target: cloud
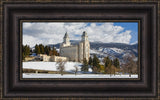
{"x":30,"y":40}
{"x":53,"y":32}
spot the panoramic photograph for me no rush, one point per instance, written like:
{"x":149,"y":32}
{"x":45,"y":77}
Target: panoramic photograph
{"x":80,"y":50}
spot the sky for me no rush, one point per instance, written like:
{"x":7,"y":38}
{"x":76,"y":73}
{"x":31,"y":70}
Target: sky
{"x":53,"y":32}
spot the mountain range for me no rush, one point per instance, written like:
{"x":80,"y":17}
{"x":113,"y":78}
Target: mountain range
{"x":118,"y":50}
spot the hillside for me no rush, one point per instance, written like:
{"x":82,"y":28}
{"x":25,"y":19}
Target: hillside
{"x":112,"y":50}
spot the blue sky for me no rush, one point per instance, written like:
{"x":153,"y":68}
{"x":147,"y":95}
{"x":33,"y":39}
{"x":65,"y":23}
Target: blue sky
{"x":133,"y":26}
{"x":53,"y":32}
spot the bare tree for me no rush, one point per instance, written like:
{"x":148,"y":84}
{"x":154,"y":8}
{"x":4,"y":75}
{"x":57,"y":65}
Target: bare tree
{"x":61,"y":66}
{"x":111,"y":70}
{"x":130,"y":66}
{"x":75,"y":70}
{"x":95,"y":69}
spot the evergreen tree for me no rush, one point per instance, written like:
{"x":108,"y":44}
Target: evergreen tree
{"x":96,"y":63}
{"x":109,"y":68}
{"x":26,"y":50}
{"x":108,"y":62}
{"x":46,"y":50}
{"x":35,"y":50}
{"x":111,"y":62}
{"x":116,"y":63}
{"x":38,"y":50}
{"x":85,"y":65}
{"x":90,"y":61}
{"x":41,"y":48}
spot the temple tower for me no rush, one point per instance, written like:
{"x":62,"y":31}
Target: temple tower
{"x":86,"y":46}
{"x":66,"y":41}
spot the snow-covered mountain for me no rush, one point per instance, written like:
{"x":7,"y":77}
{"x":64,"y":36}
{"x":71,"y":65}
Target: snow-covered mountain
{"x":113,"y":50}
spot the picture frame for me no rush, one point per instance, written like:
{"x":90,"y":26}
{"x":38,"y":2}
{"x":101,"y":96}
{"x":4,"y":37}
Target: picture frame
{"x":13,"y":87}
{"x":85,"y":21}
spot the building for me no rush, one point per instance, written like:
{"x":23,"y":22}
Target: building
{"x":75,"y":52}
{"x":46,"y":58}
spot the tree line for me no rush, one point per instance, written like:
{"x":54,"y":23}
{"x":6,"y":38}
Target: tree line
{"x":25,"y":51}
{"x":130,"y":65}
{"x":39,"y":49}
{"x":109,"y":66}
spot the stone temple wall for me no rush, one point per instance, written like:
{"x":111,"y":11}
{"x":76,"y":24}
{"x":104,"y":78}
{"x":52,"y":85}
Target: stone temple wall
{"x":86,"y":50}
{"x":71,"y":52}
{"x":80,"y":58}
{"x":47,"y":58}
{"x":58,"y":58}
{"x":75,"y":52}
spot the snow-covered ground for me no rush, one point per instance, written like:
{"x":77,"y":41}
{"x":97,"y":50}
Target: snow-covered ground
{"x":69,"y":67}
{"x":34,"y":75}
{"x":52,"y":66}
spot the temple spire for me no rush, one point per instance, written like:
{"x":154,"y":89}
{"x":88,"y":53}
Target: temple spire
{"x":66,"y":35}
{"x":66,"y":41}
{"x":84,"y":36}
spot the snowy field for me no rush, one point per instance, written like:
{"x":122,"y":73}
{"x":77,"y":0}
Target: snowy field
{"x":69,"y":67}
{"x":51,"y":66}
{"x":34,"y":75}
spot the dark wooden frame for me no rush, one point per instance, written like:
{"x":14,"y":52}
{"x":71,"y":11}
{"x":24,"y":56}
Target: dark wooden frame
{"x":11,"y":39}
